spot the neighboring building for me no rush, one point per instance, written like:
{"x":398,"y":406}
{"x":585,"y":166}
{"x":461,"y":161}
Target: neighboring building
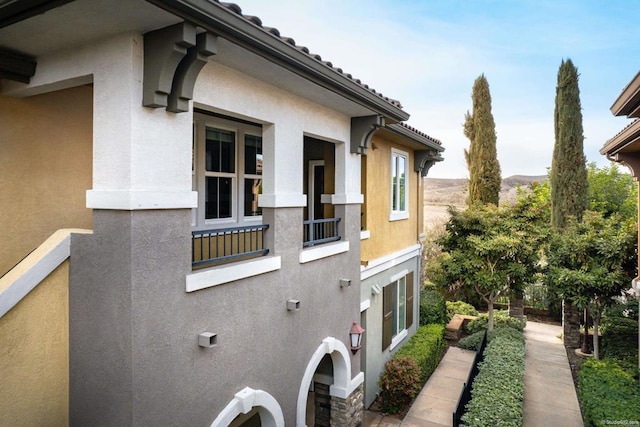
{"x":392,"y":235}
{"x":215,"y":168}
{"x":625,"y":146}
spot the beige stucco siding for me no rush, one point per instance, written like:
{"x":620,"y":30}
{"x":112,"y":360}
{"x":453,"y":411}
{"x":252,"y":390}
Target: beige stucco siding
{"x":34,"y":356}
{"x":387,"y":236}
{"x":45,"y":164}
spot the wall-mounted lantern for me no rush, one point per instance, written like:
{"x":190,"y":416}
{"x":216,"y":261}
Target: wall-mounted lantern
{"x":355,"y":335}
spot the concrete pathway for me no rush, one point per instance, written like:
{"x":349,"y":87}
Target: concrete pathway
{"x":436,"y":402}
{"x":549,"y":394}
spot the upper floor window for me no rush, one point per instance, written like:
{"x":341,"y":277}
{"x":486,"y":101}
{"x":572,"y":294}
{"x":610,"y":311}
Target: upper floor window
{"x":228,"y":171}
{"x":399,"y":185}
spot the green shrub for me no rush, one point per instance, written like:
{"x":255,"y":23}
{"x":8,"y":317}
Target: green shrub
{"x":498,"y":390}
{"x":471,"y":342}
{"x":432,"y":306}
{"x":399,"y":384}
{"x":608,"y":393}
{"x":505,"y":331}
{"x":500,"y":318}
{"x":425,"y":348}
{"x":620,"y":339}
{"x":460,"y":307}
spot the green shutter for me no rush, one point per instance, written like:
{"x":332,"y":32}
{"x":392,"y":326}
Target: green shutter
{"x":409,"y":293}
{"x":387,"y":316}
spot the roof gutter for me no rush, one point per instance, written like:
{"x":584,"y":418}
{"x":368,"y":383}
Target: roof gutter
{"x":221,"y":21}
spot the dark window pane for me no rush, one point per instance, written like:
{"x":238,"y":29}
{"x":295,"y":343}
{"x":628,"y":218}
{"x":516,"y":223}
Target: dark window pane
{"x":252,"y":155}
{"x":218,"y":198}
{"x":221,"y":153}
{"x":252,"y":187}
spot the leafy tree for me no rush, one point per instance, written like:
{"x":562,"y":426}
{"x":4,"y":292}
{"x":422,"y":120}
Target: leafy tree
{"x":612,"y":191}
{"x":568,"y":177}
{"x":482,"y":157}
{"x":491,"y":249}
{"x":593,"y":261}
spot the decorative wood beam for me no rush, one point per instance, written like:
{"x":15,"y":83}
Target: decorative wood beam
{"x":16,"y":66}
{"x":630,"y":160}
{"x":187,"y":72}
{"x":163,"y":51}
{"x":424,"y":160}
{"x":362,"y":130}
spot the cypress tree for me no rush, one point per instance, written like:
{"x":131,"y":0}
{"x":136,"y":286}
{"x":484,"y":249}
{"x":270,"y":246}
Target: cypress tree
{"x":568,"y":177}
{"x":482,"y":156}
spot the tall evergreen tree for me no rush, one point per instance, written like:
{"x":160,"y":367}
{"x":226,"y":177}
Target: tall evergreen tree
{"x":568,"y":177}
{"x":482,"y":156}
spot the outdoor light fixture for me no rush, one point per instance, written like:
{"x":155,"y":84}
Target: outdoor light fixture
{"x":355,"y":334}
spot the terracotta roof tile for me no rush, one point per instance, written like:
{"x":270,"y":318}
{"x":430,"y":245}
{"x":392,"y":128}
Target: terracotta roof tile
{"x":276,"y":33}
{"x":419,"y":132}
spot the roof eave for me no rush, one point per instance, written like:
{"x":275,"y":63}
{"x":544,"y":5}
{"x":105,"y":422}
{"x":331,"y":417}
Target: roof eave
{"x":628,"y":103}
{"x":414,"y":136}
{"x":220,"y":20}
{"x":626,"y":137}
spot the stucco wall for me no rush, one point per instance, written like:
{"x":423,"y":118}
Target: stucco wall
{"x":34,"y":356}
{"x":387,"y":236}
{"x":45,"y":164}
{"x":374,"y":357}
{"x":133,"y":327}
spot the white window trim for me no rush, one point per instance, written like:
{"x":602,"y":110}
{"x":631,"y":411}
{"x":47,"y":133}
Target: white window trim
{"x":396,"y":215}
{"x":202,"y":122}
{"x":215,"y":276}
{"x":395,"y":341}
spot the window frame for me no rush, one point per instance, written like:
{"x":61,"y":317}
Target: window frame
{"x":395,"y":195}
{"x":202,"y":122}
{"x":391,"y":301}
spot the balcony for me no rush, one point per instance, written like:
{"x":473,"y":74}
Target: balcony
{"x":319,"y":231}
{"x":223,"y":245}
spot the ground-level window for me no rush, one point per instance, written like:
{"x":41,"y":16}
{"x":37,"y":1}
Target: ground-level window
{"x":399,"y":185}
{"x":397,"y":313}
{"x":227,"y":170}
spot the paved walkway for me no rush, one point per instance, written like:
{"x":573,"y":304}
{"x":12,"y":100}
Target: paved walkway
{"x":549,"y":393}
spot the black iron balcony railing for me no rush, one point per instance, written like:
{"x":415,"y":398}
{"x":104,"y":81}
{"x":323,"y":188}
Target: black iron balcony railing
{"x":210,"y":247}
{"x":320,"y":231}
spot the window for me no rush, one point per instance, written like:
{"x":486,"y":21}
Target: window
{"x":227,"y":171}
{"x":397,"y":312}
{"x":399,"y":185}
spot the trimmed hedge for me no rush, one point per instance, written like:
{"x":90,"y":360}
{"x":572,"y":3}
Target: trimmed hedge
{"x":471,"y":342}
{"x":460,"y":307}
{"x":433,"y":309}
{"x":425,"y":348}
{"x":500,"y":318}
{"x":400,"y":382}
{"x":498,"y":390}
{"x":609,"y":395}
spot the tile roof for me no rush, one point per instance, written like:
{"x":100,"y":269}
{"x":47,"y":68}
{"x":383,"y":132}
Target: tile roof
{"x":419,"y":132}
{"x":276,"y":33}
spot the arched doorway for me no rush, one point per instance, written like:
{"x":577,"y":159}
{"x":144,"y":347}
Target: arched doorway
{"x":328,"y":374}
{"x":251,"y":408}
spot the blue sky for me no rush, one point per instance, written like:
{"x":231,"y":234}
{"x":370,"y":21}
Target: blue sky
{"x":428,"y":53}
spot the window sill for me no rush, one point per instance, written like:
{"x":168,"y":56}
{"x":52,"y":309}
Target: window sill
{"x":395,"y":341}
{"x":365,"y":234}
{"x":323,"y":251}
{"x":398,"y":216}
{"x":215,"y":276}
